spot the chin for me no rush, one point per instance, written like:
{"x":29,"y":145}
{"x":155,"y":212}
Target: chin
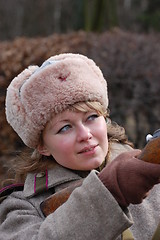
{"x":96,"y":164}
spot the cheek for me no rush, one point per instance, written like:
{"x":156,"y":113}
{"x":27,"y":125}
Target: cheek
{"x":101,"y":130}
{"x":102,"y":135}
{"x":63,"y":152}
{"x":63,"y":145}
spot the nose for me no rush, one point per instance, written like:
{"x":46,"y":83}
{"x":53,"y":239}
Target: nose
{"x":83,"y":133}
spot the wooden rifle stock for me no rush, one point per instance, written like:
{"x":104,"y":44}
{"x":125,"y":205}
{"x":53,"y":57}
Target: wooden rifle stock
{"x":150,"y":153}
{"x":49,"y":205}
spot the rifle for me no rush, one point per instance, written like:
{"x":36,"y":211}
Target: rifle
{"x":150,"y":153}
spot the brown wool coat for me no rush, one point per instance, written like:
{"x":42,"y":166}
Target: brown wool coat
{"x":90,"y":213}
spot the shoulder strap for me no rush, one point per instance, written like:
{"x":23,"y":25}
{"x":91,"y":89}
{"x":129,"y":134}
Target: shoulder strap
{"x":6,"y":191}
{"x":41,"y":182}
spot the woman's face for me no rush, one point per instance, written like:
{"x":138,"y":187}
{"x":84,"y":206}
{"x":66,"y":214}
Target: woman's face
{"x":76,"y":140}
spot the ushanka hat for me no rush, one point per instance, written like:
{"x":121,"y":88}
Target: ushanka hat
{"x":38,"y":93}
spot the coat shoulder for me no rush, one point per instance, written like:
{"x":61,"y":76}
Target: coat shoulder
{"x":118,"y":148}
{"x":6,"y":191}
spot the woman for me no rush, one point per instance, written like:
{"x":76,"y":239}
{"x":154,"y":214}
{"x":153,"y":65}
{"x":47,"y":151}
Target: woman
{"x":61,"y":111}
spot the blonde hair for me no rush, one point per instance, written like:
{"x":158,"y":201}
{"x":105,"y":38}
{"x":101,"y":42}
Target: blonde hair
{"x":34,"y":162}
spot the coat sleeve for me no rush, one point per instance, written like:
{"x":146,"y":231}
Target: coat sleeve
{"x":90,"y":213}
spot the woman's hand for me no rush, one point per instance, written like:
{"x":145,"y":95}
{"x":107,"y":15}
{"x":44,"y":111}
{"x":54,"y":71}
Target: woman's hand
{"x":129,"y":179}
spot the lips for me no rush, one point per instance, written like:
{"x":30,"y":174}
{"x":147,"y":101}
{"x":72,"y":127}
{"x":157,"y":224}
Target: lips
{"x":88,"y":149}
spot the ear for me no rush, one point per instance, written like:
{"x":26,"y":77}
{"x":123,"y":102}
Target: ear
{"x":43,"y":150}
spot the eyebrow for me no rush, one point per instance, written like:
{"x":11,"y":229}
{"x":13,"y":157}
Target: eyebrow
{"x":52,"y":123}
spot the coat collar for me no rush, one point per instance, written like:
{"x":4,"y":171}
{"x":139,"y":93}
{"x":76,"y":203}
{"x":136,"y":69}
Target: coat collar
{"x":51,"y":178}
{"x":59,"y":175}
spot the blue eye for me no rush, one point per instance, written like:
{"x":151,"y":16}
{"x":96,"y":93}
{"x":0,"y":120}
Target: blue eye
{"x":92,"y":117}
{"x":64,"y":129}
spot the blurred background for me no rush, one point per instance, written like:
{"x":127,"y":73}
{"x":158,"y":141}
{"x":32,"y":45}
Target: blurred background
{"x":121,"y":36}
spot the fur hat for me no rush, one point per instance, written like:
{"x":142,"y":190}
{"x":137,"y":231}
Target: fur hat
{"x":39,"y":92}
